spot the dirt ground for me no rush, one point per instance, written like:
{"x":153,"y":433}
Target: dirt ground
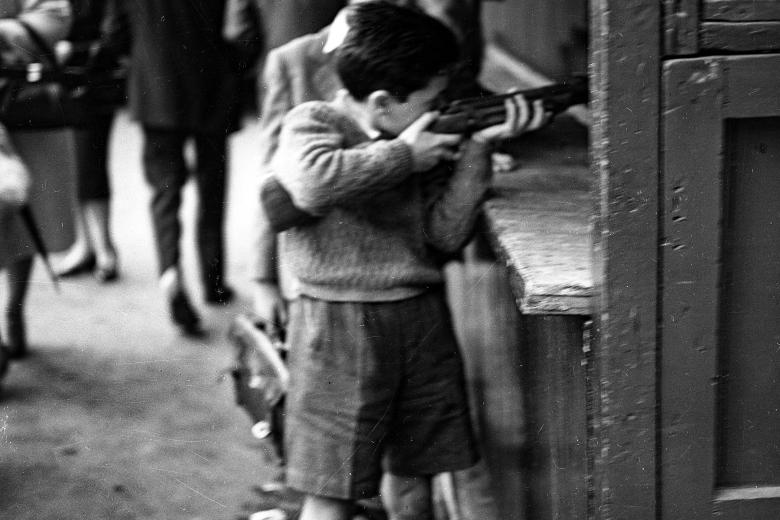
{"x":115,"y":415}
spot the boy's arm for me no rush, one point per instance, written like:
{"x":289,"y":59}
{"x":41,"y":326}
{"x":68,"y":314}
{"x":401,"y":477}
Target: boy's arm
{"x":277,"y":101}
{"x":453,"y":208}
{"x":267,"y":301}
{"x":453,"y":205}
{"x":319,"y":173}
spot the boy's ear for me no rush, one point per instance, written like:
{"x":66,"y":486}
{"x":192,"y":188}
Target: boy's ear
{"x":379,"y":101}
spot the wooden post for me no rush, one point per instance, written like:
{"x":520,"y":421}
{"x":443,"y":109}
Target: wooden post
{"x":625,"y":61}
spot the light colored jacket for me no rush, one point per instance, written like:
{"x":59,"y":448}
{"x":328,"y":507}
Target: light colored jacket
{"x":294,"y":73}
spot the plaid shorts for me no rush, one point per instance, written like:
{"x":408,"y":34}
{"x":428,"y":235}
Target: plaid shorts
{"x":374,"y":383}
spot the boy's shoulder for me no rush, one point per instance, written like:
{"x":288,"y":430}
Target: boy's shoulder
{"x":322,"y":112}
{"x":308,"y":46}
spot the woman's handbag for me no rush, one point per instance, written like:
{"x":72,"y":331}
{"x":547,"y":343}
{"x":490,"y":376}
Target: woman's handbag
{"x":39,"y":99}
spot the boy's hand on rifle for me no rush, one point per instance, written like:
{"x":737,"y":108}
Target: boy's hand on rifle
{"x":428,"y":148}
{"x":521,"y":117}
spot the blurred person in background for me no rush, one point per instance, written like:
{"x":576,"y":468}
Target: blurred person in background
{"x":93,"y":249}
{"x":50,"y":19}
{"x":14,"y":192}
{"x":182,"y":87}
{"x":255,"y":27}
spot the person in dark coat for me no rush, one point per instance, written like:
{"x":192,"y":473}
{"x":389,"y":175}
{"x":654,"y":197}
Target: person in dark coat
{"x":182,"y":85}
{"x":50,"y":20}
{"x":256,"y":27}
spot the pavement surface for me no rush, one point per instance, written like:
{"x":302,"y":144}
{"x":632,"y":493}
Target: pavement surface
{"x":115,"y":415}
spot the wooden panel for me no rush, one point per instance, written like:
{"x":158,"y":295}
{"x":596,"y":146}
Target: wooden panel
{"x":740,"y":37}
{"x":719,"y":299}
{"x":681,"y":27}
{"x":543,"y":238}
{"x":625,"y":71}
{"x":554,"y":382}
{"x":741,"y":10}
{"x":749,"y":355}
{"x":752,"y":86}
{"x":692,"y":140}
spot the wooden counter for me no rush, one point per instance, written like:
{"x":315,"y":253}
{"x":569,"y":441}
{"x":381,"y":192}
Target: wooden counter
{"x":538,"y":221}
{"x":521,"y":303}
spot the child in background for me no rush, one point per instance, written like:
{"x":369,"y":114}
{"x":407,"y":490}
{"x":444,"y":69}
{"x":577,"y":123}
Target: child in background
{"x":376,"y":372}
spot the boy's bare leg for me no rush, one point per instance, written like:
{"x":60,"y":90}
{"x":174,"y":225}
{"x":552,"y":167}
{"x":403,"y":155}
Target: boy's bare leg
{"x":407,"y":498}
{"x":325,"y":508}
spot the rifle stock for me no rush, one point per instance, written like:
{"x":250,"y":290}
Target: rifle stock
{"x":463,"y":116}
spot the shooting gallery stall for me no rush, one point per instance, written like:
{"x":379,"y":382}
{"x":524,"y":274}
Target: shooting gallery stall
{"x":619,"y":313}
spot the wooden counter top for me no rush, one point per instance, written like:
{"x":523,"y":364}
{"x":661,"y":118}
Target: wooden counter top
{"x":538,"y":221}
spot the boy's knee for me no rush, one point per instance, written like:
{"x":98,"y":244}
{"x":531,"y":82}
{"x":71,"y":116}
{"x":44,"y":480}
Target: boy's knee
{"x":407,"y":498}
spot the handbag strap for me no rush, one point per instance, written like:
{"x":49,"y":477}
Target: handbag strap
{"x":43,"y":45}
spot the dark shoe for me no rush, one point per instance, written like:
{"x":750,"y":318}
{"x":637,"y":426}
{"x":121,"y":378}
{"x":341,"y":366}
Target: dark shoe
{"x":184,"y":316}
{"x":107,"y":273}
{"x":87,"y":265}
{"x":107,"y":270}
{"x":17,"y":335}
{"x":221,"y":295}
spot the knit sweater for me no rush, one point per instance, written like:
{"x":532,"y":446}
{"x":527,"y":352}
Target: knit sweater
{"x":383,"y":229}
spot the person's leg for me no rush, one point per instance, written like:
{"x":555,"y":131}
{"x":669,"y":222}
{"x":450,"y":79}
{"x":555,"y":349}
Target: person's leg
{"x":79,"y":258}
{"x":96,"y":217}
{"x":92,"y":244}
{"x":166,"y":173}
{"x":407,"y":498}
{"x":211,"y":176}
{"x":431,"y":431}
{"x":343,"y":380}
{"x":324,"y":508}
{"x":18,"y":273}
{"x":94,"y":193}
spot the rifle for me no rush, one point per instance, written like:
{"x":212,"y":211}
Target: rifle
{"x":463,"y":116}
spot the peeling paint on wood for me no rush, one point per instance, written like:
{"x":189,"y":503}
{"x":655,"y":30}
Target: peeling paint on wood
{"x":692,"y":143}
{"x":625,"y":38}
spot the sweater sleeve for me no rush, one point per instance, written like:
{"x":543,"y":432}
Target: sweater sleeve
{"x":453,"y":204}
{"x":319,"y":167}
{"x":277,"y":101}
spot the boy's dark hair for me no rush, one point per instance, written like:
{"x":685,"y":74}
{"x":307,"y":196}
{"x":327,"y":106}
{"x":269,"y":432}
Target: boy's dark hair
{"x":393,"y":48}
